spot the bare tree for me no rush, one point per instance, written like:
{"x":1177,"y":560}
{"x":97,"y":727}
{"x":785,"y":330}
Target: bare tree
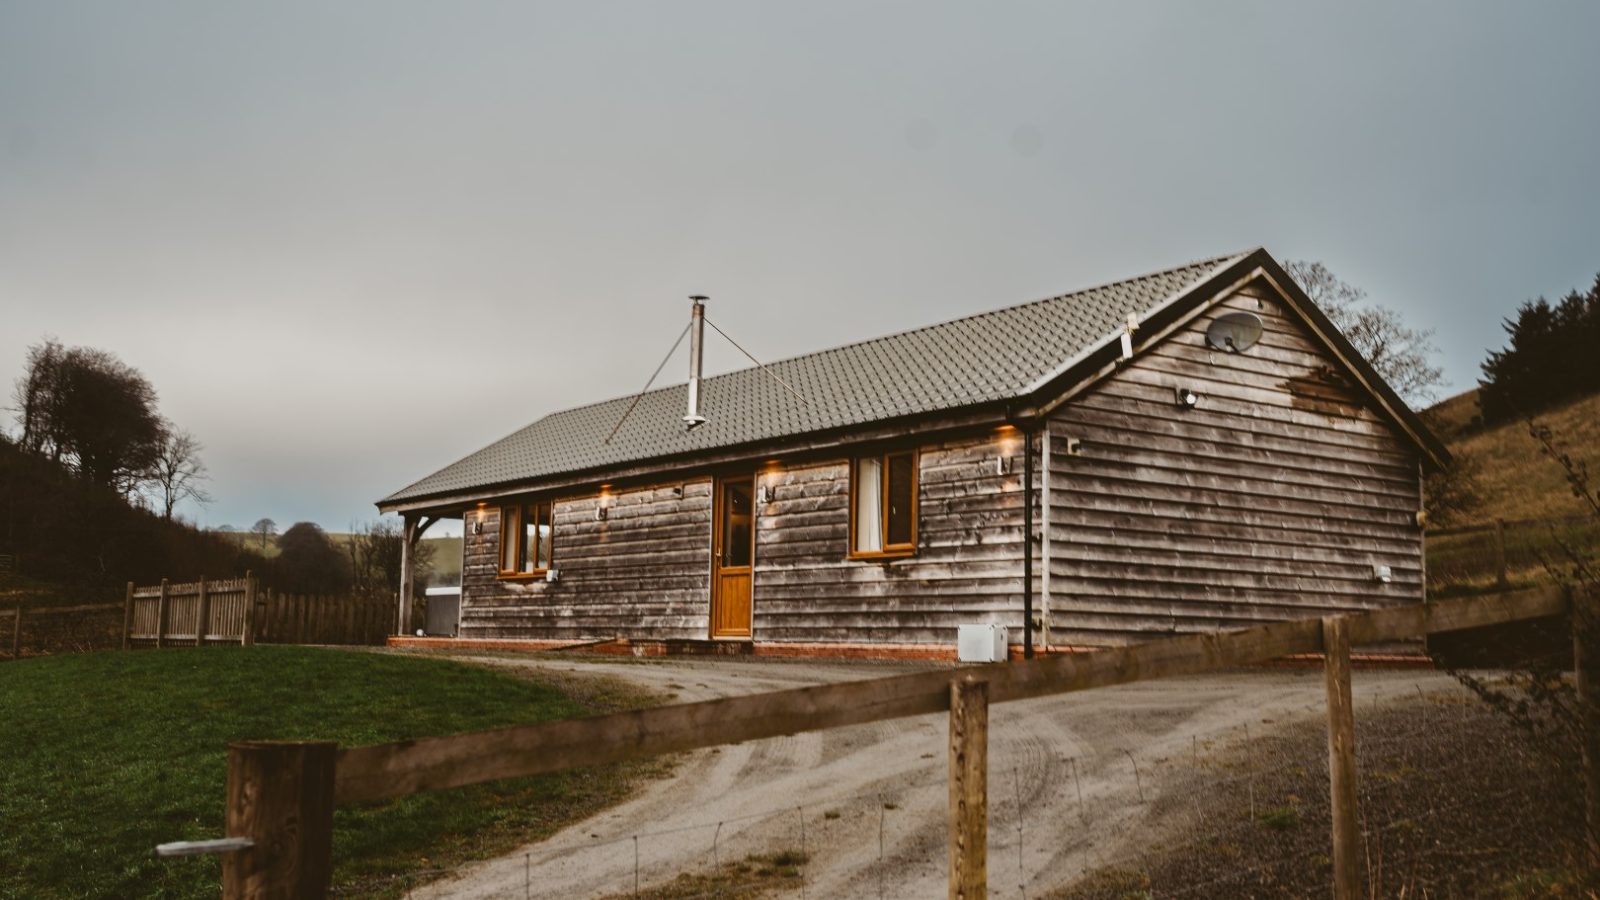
{"x":33,"y":392}
{"x":178,"y":474}
{"x":1402,"y":355}
{"x":264,"y":528}
{"x":375,"y":557}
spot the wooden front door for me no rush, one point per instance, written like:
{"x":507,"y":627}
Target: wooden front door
{"x":733,"y":552}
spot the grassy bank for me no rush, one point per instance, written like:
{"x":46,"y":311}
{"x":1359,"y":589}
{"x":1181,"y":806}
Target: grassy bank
{"x":1456,"y":800}
{"x":1516,"y":482}
{"x":102,"y":756}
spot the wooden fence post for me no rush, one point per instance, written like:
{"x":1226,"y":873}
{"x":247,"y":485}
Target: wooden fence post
{"x":161,"y":616}
{"x":1500,"y":553}
{"x":248,"y":635}
{"x":202,"y":615}
{"x":127,"y":616}
{"x":1342,"y":759}
{"x":16,"y":632}
{"x":1586,"y":671}
{"x":969,"y":790}
{"x":280,"y":795}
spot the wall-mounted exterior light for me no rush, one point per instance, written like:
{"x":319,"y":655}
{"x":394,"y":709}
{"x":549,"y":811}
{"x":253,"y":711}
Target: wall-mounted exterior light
{"x":1382,"y":573}
{"x":765,"y":494}
{"x":1187,"y":398}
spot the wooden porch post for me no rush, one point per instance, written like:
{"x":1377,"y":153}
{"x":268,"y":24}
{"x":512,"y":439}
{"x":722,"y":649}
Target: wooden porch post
{"x":408,"y":564}
{"x":1342,"y":759}
{"x":969,"y":791}
{"x":280,"y":795}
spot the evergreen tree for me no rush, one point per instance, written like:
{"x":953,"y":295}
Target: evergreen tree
{"x":1553,"y":355}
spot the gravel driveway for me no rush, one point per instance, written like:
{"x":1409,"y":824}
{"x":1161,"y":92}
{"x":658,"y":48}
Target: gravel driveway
{"x":872,"y":798}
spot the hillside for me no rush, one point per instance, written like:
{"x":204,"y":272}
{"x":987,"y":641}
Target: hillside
{"x":446,"y":568}
{"x":65,"y":535}
{"x":1515,"y":481}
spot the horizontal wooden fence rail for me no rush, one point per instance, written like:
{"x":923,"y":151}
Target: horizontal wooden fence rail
{"x":300,"y":862}
{"x":383,"y":771}
{"x":1481,"y":527}
{"x":239,"y":611}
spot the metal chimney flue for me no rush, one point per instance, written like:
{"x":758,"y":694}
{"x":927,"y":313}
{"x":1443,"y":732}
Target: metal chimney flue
{"x":697,"y":326}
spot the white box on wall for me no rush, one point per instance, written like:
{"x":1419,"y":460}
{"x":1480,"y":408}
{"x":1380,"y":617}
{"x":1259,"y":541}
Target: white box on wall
{"x":981,"y":643}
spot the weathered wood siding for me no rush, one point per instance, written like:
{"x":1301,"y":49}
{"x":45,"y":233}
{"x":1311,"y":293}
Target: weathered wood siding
{"x":642,"y":572}
{"x":1274,"y":498}
{"x":967,"y":569}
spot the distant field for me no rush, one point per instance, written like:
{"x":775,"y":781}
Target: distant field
{"x":446,"y":560}
{"x":446,"y":554}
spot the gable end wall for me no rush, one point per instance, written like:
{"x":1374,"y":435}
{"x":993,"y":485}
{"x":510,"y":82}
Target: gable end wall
{"x":1274,"y":498}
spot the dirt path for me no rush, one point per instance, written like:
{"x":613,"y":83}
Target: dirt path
{"x":883,"y":784}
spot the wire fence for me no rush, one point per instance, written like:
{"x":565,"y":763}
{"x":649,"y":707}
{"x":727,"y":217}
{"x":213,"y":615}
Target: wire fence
{"x":1215,"y":786}
{"x":1490,"y":555}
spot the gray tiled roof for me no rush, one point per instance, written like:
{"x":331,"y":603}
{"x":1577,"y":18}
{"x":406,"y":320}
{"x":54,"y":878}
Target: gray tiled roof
{"x":990,"y":356}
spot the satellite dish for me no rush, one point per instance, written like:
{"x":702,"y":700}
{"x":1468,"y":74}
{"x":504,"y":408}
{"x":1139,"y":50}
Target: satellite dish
{"x":1234,"y":332}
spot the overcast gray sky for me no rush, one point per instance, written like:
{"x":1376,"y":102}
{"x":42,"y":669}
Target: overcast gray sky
{"x":351,"y":242}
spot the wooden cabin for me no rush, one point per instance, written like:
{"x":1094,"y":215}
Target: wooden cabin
{"x":1193,"y":449}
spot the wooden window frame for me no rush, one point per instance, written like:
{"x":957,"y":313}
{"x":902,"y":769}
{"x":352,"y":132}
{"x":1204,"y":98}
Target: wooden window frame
{"x":889,"y":551}
{"x":511,"y":516}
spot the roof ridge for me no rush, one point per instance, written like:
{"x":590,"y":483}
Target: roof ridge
{"x":1214,"y":262}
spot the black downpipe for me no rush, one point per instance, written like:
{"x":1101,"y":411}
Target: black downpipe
{"x":1027,"y":545}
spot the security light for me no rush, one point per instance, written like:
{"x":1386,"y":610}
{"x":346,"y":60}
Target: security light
{"x":1187,"y":398}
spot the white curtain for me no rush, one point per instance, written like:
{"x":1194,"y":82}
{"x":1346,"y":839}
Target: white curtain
{"x":869,"y":505}
{"x":508,"y":538}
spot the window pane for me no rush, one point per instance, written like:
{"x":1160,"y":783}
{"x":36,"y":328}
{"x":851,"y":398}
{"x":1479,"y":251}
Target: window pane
{"x":737,"y":521}
{"x":901,"y":500}
{"x":546,"y":535}
{"x":530,"y":537}
{"x":508,"y":539}
{"x":869,"y":505}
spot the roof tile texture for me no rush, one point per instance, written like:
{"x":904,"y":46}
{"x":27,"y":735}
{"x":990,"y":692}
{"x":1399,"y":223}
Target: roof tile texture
{"x":991,"y":356}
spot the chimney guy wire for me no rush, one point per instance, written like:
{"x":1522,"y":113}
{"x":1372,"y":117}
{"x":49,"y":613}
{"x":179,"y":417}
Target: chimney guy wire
{"x":759,"y":364}
{"x":646,"y":389}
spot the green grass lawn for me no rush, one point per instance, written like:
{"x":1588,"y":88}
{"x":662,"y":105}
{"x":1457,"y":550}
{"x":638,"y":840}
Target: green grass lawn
{"x":105,"y":755}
